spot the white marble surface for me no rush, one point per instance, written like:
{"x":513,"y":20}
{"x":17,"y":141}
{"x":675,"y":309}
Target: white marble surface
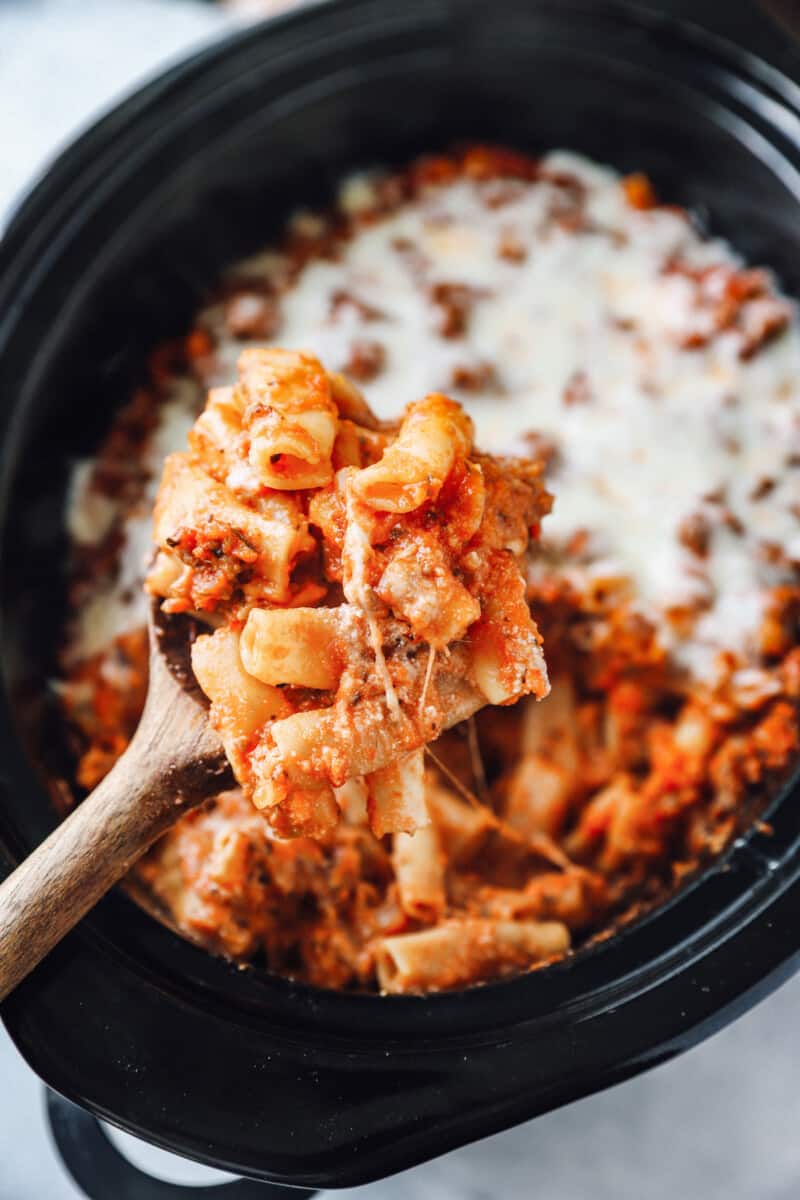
{"x":720,"y":1122}
{"x":63,"y":62}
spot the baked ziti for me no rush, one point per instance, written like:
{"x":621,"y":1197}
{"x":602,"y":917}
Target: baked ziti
{"x":578,"y":320}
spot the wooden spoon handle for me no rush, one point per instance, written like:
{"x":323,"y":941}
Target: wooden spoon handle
{"x":173,"y":763}
{"x":69,"y":872}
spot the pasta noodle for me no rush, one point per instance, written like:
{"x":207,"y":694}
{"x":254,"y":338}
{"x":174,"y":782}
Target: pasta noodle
{"x":419,"y":870}
{"x":434,"y":434}
{"x":293,"y":646}
{"x":396,"y":796}
{"x":240,"y":703}
{"x":456,"y":952}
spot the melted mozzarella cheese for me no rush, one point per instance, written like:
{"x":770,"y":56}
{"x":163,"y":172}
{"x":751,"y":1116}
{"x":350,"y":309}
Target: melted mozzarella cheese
{"x":657,"y":427}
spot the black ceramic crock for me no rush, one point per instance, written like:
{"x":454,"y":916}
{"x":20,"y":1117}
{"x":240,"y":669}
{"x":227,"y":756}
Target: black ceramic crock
{"x":109,"y":254}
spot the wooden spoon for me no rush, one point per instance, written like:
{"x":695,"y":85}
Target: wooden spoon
{"x":174,"y":762}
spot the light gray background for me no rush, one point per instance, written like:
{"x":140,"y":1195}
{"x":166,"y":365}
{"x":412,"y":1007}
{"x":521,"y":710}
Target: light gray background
{"x":720,"y":1122}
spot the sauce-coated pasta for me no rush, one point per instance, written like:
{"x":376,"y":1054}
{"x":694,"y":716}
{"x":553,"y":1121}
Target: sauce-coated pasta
{"x":358,"y":589}
{"x":574,"y":317}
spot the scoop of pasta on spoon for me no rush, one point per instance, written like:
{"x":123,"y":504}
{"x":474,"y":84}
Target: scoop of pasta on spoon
{"x":358,"y":588}
{"x":362,"y":584}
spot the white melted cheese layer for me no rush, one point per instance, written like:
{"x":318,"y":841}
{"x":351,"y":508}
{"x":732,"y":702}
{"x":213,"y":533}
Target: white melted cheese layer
{"x":661,"y":426}
{"x":655,"y":435}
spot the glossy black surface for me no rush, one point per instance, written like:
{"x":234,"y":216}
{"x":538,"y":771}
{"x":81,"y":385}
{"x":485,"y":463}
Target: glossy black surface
{"x":110,"y":253}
